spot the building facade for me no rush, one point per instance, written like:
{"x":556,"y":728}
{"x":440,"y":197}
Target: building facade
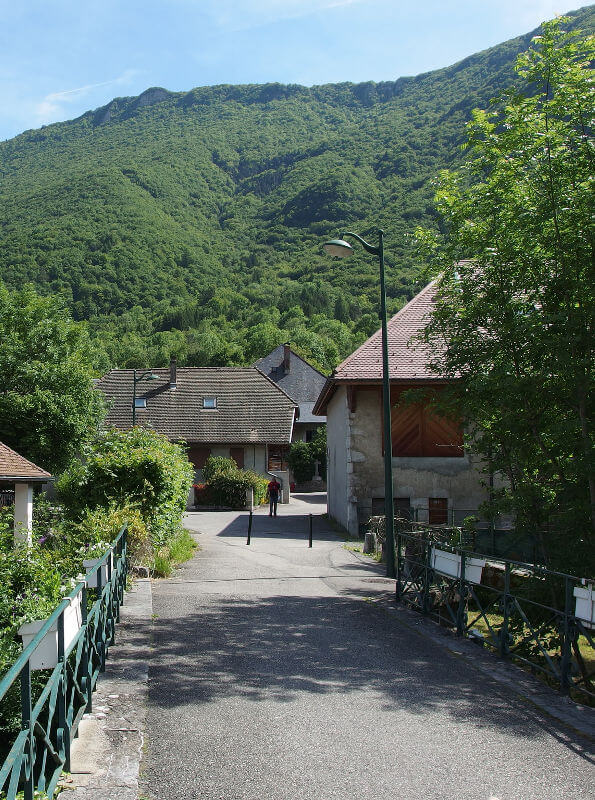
{"x":434,"y":479}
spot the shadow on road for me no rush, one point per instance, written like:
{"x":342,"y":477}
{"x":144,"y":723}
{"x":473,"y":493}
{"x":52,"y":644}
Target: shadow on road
{"x":275,"y":648}
{"x":293,"y":526}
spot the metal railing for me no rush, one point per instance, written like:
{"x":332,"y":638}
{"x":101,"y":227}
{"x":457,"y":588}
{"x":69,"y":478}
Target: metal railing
{"x":51,"y":708}
{"x":524,"y":612}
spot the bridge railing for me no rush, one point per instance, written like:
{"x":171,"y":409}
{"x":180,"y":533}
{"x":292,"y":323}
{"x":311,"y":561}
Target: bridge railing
{"x":543,"y":620}
{"x":53,"y":700}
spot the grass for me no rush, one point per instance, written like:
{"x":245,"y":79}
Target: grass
{"x":180,"y":549}
{"x":359,"y":548}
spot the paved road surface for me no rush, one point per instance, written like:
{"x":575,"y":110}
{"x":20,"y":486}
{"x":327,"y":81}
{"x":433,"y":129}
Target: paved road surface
{"x":271,"y":678}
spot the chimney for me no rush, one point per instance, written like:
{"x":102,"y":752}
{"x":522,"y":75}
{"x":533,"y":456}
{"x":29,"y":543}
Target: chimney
{"x":286,"y":357}
{"x":173,"y":373}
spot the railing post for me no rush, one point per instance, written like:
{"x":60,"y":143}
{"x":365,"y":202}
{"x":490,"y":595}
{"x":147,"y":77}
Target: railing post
{"x":64,"y":745}
{"x":399,"y":566}
{"x":461,"y":615}
{"x":566,"y":644}
{"x":29,"y":750}
{"x":110,"y":601}
{"x":86,"y":680}
{"x":504,"y":649}
{"x":100,"y":624}
{"x":427,"y":570}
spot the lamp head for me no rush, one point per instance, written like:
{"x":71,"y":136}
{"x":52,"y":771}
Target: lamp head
{"x":338,"y":247}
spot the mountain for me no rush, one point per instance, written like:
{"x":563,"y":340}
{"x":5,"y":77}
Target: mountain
{"x":192,"y":222}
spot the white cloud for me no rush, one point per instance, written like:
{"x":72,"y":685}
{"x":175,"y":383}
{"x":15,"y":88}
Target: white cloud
{"x":52,"y":105}
{"x":233,"y":15}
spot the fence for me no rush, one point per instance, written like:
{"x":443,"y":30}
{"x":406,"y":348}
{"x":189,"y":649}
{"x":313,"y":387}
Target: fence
{"x":53,"y":703}
{"x":543,"y":620}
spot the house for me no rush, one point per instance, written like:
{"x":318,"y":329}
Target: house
{"x":434,"y":479}
{"x":18,"y":476}
{"x":233,"y":412}
{"x":301,"y":382}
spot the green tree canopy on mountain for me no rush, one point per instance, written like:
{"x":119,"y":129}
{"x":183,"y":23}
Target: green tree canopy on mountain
{"x":171,"y":213}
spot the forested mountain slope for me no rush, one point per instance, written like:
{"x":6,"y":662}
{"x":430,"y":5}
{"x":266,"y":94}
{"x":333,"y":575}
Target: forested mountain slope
{"x":192,"y":222}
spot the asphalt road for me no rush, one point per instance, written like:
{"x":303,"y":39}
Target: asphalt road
{"x":271,"y":677}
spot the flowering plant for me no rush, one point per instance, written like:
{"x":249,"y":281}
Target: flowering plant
{"x":96,"y":550}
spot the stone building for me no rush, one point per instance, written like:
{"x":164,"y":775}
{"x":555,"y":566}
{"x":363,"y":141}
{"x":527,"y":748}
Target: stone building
{"x":434,"y":479}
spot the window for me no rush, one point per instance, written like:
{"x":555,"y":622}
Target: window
{"x":209,"y":402}
{"x":140,"y":402}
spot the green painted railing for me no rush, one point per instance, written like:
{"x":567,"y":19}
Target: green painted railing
{"x":523,"y":612}
{"x":50,"y":716}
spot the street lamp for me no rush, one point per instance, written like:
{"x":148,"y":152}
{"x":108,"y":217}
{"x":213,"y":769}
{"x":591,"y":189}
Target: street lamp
{"x":341,"y":249}
{"x":146,"y":376}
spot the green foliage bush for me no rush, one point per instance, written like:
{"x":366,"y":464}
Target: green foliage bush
{"x":301,"y":462}
{"x":218,"y":465}
{"x":48,"y":405}
{"x":226,"y":484}
{"x":303,"y":455}
{"x":137,"y":468}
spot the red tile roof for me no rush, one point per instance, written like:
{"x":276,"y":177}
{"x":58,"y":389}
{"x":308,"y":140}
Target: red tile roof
{"x":13,"y":466}
{"x":408,"y":359}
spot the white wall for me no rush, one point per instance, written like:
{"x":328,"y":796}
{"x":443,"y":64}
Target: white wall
{"x":339,"y":467}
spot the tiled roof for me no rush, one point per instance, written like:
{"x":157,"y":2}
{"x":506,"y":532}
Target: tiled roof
{"x":407,"y":359}
{"x":13,"y":466}
{"x":303,"y":382}
{"x":250,"y":407}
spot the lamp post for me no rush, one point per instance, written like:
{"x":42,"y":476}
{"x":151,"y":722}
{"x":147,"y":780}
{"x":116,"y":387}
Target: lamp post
{"x":341,"y":249}
{"x":146,"y":376}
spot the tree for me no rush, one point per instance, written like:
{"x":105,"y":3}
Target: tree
{"x":48,"y":406}
{"x":515,"y":312}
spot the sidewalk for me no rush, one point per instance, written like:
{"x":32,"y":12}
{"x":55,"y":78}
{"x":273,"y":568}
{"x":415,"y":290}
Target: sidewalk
{"x":105,"y":756}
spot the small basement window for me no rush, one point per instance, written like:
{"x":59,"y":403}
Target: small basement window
{"x":140,"y":402}
{"x":209,"y":402}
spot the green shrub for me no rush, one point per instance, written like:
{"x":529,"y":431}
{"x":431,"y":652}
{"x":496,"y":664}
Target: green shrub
{"x":218,"y":465}
{"x":303,"y":456}
{"x":136,"y":468}
{"x":229,"y":489}
{"x":301,"y":462}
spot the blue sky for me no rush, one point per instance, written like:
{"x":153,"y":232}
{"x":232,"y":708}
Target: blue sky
{"x":59,"y":58}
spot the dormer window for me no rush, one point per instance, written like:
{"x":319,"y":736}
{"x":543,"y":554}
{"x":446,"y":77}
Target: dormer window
{"x":209,"y":402}
{"x":140,"y":402}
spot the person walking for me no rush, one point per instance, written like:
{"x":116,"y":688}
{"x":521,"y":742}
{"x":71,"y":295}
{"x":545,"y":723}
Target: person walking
{"x":274,"y":488}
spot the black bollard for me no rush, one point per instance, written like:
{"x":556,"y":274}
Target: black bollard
{"x":310,"y":539}
{"x":249,"y":528}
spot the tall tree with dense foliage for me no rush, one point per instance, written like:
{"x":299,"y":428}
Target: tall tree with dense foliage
{"x":48,"y":406}
{"x":514,"y":321}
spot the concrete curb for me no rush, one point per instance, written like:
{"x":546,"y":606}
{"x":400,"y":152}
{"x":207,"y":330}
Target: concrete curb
{"x":532,"y":691}
{"x":106,"y":755}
